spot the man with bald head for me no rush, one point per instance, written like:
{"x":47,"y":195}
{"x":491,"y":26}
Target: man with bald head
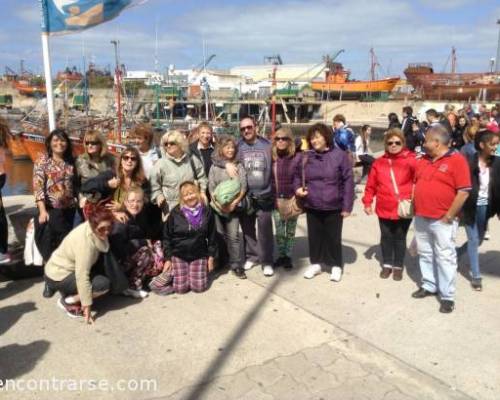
{"x":442,"y":186}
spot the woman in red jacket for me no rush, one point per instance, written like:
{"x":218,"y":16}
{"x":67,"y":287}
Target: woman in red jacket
{"x":380,"y":184}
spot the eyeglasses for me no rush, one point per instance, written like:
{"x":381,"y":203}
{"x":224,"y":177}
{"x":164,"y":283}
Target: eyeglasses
{"x":396,"y":143}
{"x":170,"y":144}
{"x":92,"y":143}
{"x":129,"y":158}
{"x":282,"y":139}
{"x":246,"y":128}
{"x":106,"y":229}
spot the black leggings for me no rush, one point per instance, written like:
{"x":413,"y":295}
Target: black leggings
{"x":325,"y":237}
{"x":366,"y":161}
{"x":393,"y":240}
{"x":67,"y":287}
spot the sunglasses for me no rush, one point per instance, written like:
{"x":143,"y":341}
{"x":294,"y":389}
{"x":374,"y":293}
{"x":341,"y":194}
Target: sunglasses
{"x":282,"y":139}
{"x":396,"y":143}
{"x":246,"y":128}
{"x":104,"y":229}
{"x":92,"y":143}
{"x":129,"y":158}
{"x":170,"y":144}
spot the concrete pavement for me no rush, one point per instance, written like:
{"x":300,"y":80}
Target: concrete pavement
{"x":267,"y":338}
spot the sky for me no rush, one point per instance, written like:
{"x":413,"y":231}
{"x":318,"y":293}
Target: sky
{"x":243,"y":32}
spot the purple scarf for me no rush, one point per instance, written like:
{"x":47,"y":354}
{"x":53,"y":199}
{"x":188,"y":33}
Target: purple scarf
{"x":194,"y":215}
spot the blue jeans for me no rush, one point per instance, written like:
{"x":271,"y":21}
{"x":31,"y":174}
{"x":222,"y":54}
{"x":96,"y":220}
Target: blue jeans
{"x":437,"y":256}
{"x":475,"y":236}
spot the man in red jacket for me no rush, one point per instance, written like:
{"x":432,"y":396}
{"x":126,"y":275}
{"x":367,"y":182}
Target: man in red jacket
{"x":442,"y":186}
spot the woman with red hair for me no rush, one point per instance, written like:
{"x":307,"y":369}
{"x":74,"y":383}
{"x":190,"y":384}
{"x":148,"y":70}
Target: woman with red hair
{"x":70,"y":270}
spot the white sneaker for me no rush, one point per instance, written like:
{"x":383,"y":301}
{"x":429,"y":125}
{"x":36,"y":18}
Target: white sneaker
{"x":336,"y":274}
{"x":312,"y":271}
{"x":268,"y":270}
{"x":249,"y":265}
{"x":136,"y":294}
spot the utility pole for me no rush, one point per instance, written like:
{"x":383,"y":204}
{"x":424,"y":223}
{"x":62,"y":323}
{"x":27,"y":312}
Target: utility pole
{"x":118,"y":74}
{"x":497,"y":62}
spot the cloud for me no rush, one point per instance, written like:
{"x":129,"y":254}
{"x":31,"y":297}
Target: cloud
{"x":300,"y":30}
{"x":28,"y":14}
{"x":452,"y":4}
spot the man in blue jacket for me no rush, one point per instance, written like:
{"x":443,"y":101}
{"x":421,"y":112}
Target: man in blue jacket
{"x":343,"y":136}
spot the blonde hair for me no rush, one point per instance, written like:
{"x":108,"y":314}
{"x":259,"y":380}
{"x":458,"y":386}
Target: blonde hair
{"x":222,"y":142}
{"x":291,"y":143}
{"x":95,"y":135}
{"x":177,"y":137}
{"x":185,"y":184}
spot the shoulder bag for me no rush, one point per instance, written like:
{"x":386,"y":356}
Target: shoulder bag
{"x":292,"y":207}
{"x":405,"y":206}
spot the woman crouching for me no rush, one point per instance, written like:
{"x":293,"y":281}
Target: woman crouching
{"x":189,"y":243}
{"x":70,"y":268}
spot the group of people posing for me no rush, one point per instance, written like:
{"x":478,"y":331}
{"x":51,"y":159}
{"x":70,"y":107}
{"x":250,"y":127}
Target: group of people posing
{"x":161,"y":219}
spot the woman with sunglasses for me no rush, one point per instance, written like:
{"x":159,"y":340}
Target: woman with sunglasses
{"x":54,"y":187}
{"x":114,"y":185}
{"x":175,"y":166}
{"x":400,"y":163}
{"x":94,"y":160}
{"x":71,"y":269}
{"x":285,"y":163}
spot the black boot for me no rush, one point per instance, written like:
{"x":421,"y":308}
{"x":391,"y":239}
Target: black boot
{"x":48,"y":292}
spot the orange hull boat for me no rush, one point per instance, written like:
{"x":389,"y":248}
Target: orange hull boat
{"x":16,"y":147}
{"x":35,"y":145}
{"x":27,"y":89}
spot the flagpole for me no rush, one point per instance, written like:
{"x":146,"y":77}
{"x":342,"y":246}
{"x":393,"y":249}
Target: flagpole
{"x":48,"y":81}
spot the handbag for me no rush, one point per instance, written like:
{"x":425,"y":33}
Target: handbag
{"x":292,"y":207}
{"x":405,"y":206}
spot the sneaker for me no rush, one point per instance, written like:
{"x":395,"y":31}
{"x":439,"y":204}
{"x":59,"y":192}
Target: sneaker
{"x":5,"y":258}
{"x":136,"y":294}
{"x":477,"y":284}
{"x":240,"y":273}
{"x":447,"y":306}
{"x":249,"y":265}
{"x":71,"y":310}
{"x":336,"y":274}
{"x":312,"y":271}
{"x":268,"y":270}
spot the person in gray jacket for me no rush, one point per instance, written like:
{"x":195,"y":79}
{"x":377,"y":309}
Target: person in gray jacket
{"x":175,"y":167}
{"x":226,"y":216}
{"x":254,"y":152}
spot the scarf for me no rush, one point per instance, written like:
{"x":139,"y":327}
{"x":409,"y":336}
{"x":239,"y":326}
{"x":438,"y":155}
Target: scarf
{"x":193,"y":215}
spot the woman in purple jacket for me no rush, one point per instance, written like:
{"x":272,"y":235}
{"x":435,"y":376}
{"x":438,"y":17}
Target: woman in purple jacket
{"x":328,"y":197}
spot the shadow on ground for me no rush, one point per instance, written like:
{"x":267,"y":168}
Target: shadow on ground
{"x":19,"y":359}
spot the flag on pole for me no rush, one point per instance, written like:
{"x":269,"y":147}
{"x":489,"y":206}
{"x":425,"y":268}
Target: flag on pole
{"x":67,"y":16}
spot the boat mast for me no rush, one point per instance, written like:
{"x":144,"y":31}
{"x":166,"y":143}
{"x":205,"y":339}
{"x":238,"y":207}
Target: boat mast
{"x":373,"y":64}
{"x":497,"y":62}
{"x":453,"y":60}
{"x":273,"y":104}
{"x":118,"y":91}
{"x":206,"y":80}
{"x":157,"y":84}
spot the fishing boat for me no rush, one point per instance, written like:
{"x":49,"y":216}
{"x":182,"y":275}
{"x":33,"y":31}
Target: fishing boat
{"x":16,"y":146}
{"x":452,"y":85}
{"x":35,"y":145}
{"x":30,"y":87}
{"x":338,"y":84}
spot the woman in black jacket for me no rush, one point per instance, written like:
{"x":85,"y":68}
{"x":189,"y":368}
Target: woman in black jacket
{"x":189,"y":243}
{"x":136,"y":243}
{"x":482,"y":202}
